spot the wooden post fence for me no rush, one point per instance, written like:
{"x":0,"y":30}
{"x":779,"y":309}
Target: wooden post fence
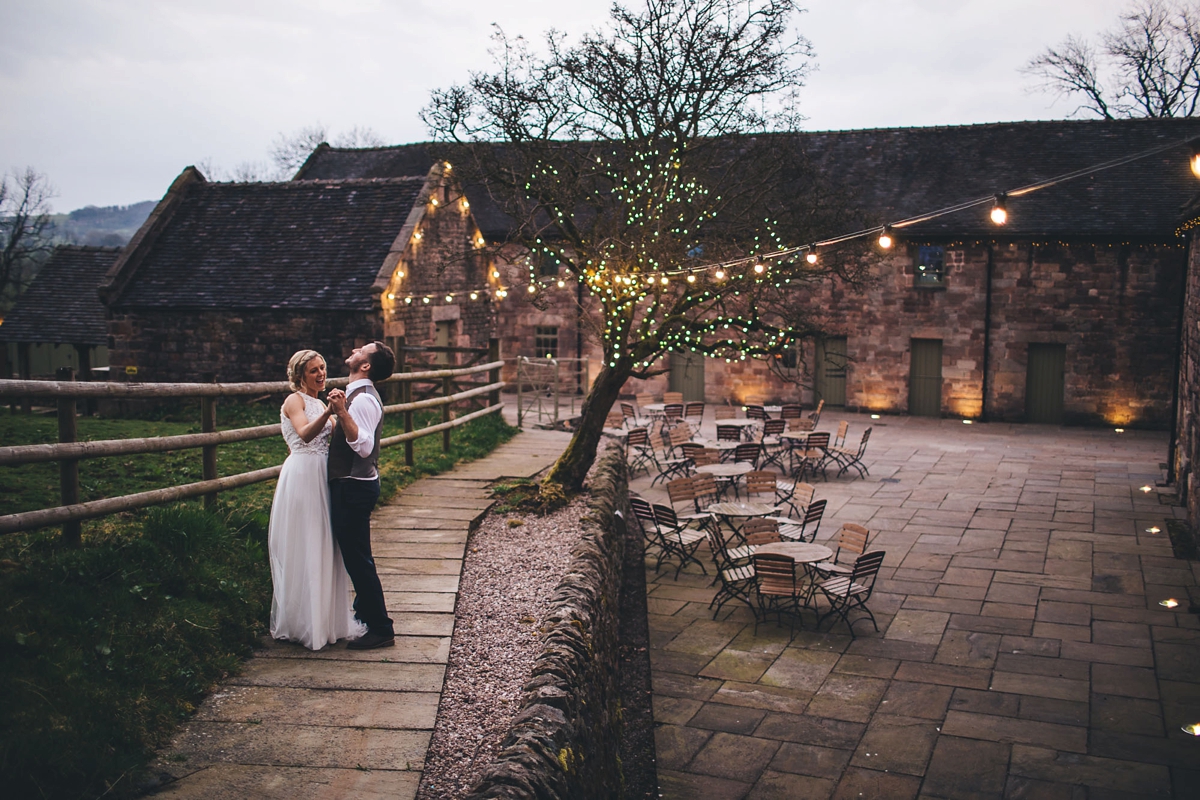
{"x":68,"y":468}
{"x":68,"y":451}
{"x":208,"y":424}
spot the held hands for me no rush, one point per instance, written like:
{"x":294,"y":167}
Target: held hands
{"x":337,"y":401}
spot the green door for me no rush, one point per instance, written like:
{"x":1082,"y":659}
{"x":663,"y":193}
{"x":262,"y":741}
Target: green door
{"x":687,"y":376}
{"x":1044,"y":383}
{"x":925,"y":378}
{"x":831,"y":370}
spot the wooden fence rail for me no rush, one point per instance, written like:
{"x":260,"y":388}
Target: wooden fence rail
{"x":69,"y":452}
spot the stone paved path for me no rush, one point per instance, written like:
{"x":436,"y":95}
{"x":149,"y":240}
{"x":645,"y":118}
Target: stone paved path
{"x":343,"y":724}
{"x":1023,"y":652}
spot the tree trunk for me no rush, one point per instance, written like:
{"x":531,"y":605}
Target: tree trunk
{"x":572,"y":466}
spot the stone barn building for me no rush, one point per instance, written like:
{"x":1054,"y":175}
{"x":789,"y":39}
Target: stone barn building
{"x":231,"y":278}
{"x":1068,"y":313}
{"x":59,"y":320}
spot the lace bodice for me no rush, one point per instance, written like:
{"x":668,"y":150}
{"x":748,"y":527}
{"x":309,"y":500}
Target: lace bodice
{"x":319,"y":446}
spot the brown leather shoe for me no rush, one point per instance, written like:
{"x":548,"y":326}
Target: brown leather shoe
{"x":370,"y":641}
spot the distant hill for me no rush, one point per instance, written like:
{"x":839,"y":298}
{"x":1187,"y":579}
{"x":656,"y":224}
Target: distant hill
{"x":110,"y":226}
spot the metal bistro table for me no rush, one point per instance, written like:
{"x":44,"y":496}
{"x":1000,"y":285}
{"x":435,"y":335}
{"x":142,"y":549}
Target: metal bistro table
{"x":805,"y":554}
{"x":727,"y":474}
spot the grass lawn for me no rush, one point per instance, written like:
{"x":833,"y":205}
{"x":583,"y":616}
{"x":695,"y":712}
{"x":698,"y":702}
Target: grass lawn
{"x":105,"y":648}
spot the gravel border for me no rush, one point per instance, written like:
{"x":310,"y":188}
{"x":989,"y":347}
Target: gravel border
{"x":509,"y":574}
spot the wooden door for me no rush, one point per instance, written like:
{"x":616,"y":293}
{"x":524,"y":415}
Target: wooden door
{"x":687,"y":376}
{"x":831,"y":370}
{"x":925,"y":378}
{"x":1044,"y":383}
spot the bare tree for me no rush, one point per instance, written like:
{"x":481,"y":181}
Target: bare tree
{"x":1148,"y":65}
{"x":639,"y":158}
{"x":25,"y":241}
{"x":289,"y":152}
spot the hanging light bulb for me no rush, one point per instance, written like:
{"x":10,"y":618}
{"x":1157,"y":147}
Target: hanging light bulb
{"x":424,"y":299}
{"x":474,"y":295}
{"x":691,"y":277}
{"x":532,"y":288}
{"x":759,"y":268}
{"x":663,"y":280}
{"x":885,"y":237}
{"x":449,"y":298}
{"x":719,"y":274}
{"x":561,"y":283}
{"x":811,"y":257}
{"x":408,"y":301}
{"x":999,"y":211}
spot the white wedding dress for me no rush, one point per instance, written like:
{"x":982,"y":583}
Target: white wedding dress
{"x":311,"y":601}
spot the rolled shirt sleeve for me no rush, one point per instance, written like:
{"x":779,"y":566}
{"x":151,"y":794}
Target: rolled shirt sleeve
{"x":366,"y":412}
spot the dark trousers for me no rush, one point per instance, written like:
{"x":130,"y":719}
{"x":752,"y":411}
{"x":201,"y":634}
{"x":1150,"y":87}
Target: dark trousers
{"x":350,"y":506}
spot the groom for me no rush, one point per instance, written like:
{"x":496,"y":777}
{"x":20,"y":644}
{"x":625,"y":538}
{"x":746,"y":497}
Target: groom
{"x":354,"y":485}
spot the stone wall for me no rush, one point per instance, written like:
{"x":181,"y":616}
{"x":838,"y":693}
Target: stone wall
{"x":1114,"y":307}
{"x":443,"y":256}
{"x":1187,"y":422}
{"x":179,"y":345}
{"x":565,"y":739}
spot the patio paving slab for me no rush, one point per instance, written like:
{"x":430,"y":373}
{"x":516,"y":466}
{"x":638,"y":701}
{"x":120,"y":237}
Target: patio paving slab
{"x":1021,"y":649}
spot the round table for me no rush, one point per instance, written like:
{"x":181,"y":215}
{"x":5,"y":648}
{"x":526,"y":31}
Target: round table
{"x":654,"y":408}
{"x":745,"y":510}
{"x":711,"y":444}
{"x":800,"y":552}
{"x":799,"y":436}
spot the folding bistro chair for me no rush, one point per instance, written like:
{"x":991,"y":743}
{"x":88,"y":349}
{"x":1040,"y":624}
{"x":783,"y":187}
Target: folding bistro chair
{"x":681,"y":539}
{"x":694,"y":413}
{"x":815,"y":416}
{"x":772,"y":446}
{"x":790,"y":411}
{"x":638,"y":450}
{"x":724,"y":412}
{"x":672,"y":397}
{"x":683,"y":490}
{"x":737,"y":579}
{"x":851,"y":539}
{"x":776,"y":586}
{"x":805,"y":529}
{"x":839,"y":438}
{"x":643,"y":512}
{"x":748,"y":452}
{"x":704,"y":487}
{"x":672,"y":413}
{"x":794,"y":495}
{"x":813,"y":455}
{"x":848,"y":592}
{"x":848,"y":458}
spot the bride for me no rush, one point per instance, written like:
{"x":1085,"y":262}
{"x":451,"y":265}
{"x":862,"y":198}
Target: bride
{"x":311,"y":601}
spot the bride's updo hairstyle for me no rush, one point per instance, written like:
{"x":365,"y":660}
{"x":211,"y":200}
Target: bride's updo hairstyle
{"x":296,"y":366}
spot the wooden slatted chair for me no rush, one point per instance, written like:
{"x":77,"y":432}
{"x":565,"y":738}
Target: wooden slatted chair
{"x":669,"y":465}
{"x":737,"y":579}
{"x":631,"y":416}
{"x":756,"y":411}
{"x":839,"y":438}
{"x":638,"y":450}
{"x":680,"y":538}
{"x":724,"y":412}
{"x":672,"y":413}
{"x":694,"y":413}
{"x":643,"y":399}
{"x":754,"y":532}
{"x":673,"y":397}
{"x":848,"y":592}
{"x":805,"y":529}
{"x":852,"y":539}
{"x":772,"y":445}
{"x":812,"y":457}
{"x":704,"y":486}
{"x":682,"y":490}
{"x":776,"y":586}
{"x":849,"y":458}
{"x":793,"y":494}
{"x":748,"y":452}
{"x":790,"y":411}
{"x":643,"y":512}
{"x":815,"y":416}
{"x":729,"y":433}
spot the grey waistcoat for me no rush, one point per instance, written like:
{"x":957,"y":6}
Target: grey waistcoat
{"x":343,"y":461}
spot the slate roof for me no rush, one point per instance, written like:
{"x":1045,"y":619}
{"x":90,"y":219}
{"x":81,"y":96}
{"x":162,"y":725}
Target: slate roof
{"x":339,"y":163}
{"x":314,"y":245}
{"x":61,"y":306}
{"x":894,"y":173}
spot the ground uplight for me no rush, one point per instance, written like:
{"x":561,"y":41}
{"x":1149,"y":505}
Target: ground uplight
{"x":1170,"y":602}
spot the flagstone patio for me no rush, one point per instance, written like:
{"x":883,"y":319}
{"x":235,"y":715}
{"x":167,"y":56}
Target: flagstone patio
{"x":1022,"y":651}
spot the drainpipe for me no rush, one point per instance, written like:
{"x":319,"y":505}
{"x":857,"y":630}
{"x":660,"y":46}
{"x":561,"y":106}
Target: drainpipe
{"x":987,"y":333}
{"x":1172,"y":442}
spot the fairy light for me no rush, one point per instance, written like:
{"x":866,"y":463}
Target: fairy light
{"x":811,"y":257}
{"x":474,"y":295}
{"x":885,"y":237}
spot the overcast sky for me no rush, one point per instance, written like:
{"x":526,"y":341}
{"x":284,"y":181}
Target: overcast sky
{"x":113,"y":98}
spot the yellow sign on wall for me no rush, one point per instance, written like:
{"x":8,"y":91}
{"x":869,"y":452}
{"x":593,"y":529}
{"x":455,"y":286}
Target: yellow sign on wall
{"x":131,"y":370}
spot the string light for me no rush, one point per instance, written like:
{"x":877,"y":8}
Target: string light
{"x":999,"y":210}
{"x":811,"y":257}
{"x":885,"y":237}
